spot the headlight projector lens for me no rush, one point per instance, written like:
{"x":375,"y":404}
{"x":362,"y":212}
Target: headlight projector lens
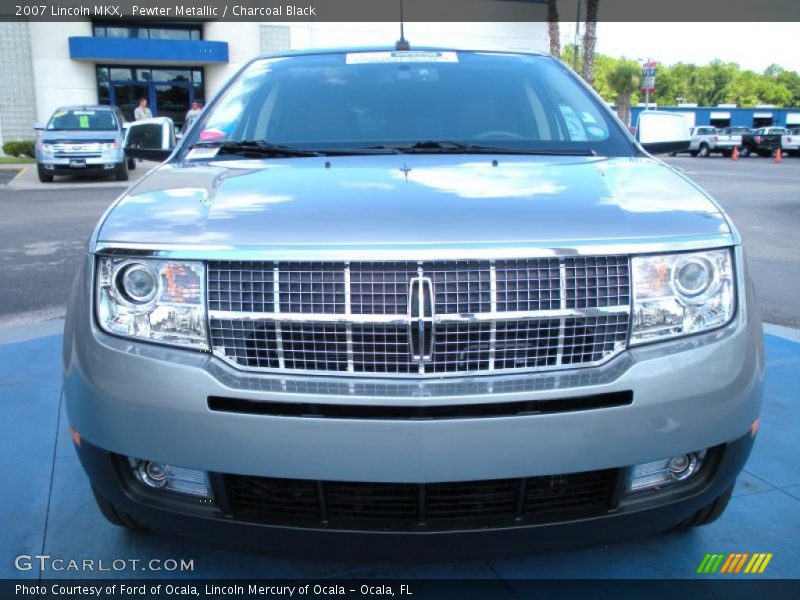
{"x":694,"y":277}
{"x":138,"y":283}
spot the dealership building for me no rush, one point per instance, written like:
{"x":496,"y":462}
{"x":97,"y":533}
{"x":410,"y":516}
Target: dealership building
{"x":47,"y":64}
{"x":730,"y":115}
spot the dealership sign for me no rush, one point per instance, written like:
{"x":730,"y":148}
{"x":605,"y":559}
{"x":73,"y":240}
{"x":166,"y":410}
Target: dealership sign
{"x":648,"y":77}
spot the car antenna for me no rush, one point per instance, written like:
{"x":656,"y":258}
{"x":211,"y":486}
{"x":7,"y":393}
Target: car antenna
{"x":402,"y":43}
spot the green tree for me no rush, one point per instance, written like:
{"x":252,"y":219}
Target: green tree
{"x":553,"y":29}
{"x":589,"y":41}
{"x":624,"y":80}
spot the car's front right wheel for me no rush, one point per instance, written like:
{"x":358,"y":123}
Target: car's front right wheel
{"x":121,"y":172}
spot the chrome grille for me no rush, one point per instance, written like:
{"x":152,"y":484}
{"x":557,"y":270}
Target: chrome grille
{"x":486,"y":316}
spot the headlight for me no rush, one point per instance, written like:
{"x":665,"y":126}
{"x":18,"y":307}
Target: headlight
{"x":157,"y":300}
{"x":110,"y":146}
{"x":48,"y":148}
{"x":679,"y":294}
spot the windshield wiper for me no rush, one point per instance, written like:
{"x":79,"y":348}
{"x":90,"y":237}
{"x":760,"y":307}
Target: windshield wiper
{"x":255,"y":148}
{"x":262,"y":148}
{"x":449,"y":147}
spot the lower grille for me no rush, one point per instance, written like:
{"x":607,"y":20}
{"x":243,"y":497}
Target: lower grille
{"x":410,"y":507}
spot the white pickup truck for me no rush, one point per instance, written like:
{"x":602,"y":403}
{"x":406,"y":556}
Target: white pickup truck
{"x":790,"y":142}
{"x":729,"y":138}
{"x":704,"y":141}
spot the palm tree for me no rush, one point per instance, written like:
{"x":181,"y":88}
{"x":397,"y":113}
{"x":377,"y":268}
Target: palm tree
{"x":552,"y":28}
{"x":589,"y":41}
{"x":624,"y":80}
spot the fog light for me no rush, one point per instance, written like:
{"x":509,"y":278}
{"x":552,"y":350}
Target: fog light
{"x":664,"y":472}
{"x":152,"y":473}
{"x":158,"y":475}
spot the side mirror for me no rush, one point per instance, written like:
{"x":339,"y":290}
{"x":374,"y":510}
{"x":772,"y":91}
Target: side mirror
{"x":125,"y":125}
{"x":659,"y":132}
{"x":152,"y":139}
{"x":38,"y":126}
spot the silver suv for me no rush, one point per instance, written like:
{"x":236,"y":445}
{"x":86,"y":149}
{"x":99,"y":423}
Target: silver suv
{"x":83,"y":139}
{"x":424,"y":296}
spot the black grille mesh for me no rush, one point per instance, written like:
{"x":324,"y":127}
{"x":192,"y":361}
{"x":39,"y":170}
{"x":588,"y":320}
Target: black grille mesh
{"x":404,"y":506}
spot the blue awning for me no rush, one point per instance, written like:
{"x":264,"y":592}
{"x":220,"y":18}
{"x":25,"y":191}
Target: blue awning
{"x":135,"y":51}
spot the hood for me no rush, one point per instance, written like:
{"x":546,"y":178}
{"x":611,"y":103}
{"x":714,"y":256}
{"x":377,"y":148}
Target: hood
{"x":80,"y":136}
{"x":411,"y":201}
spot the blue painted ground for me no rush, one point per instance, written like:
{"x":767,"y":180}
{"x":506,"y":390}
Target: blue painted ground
{"x":46,"y":506}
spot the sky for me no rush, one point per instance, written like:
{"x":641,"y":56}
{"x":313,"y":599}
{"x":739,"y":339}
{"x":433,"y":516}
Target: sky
{"x":754,"y":46}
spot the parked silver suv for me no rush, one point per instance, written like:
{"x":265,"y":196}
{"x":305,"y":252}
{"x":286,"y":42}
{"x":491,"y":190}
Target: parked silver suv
{"x":433,"y":296}
{"x":83,"y":139}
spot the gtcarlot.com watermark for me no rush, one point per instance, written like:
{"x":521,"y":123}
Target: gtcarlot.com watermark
{"x":47,"y":562}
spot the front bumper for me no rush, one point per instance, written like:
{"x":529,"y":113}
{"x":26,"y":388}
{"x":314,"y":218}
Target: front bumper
{"x":629,"y":516}
{"x":107,"y":161}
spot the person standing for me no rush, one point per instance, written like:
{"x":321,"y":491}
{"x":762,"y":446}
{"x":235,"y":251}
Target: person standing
{"x":194,"y":111}
{"x":142,"y":111}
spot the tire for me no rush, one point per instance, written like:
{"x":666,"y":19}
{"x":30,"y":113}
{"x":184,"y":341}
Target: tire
{"x":121,"y":172}
{"x":131,"y":164}
{"x":693,"y":152}
{"x":673,"y":154}
{"x":709,"y":513}
{"x":745,"y":152}
{"x":727,"y":153}
{"x":44,"y":176}
{"x":704,"y":151}
{"x":114,"y":515}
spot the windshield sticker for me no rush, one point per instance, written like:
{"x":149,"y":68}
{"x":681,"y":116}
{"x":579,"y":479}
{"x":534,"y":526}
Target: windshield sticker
{"x":212,"y":134}
{"x":202,"y":153}
{"x":587,"y":117}
{"x":412,"y":56}
{"x":595,"y":131}
{"x":83,"y":121}
{"x":574,"y":125}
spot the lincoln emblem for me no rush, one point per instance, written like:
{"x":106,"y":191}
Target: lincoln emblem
{"x":421,"y":326}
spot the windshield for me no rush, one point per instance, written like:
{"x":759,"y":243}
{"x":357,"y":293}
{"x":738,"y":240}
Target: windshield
{"x":84,"y":119}
{"x":380,"y":99}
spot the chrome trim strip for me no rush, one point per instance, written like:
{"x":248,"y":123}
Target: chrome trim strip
{"x":404,"y":319}
{"x":347,"y":310}
{"x":276,"y":306}
{"x":562,"y":298}
{"x":414,"y":376}
{"x":427,"y":252}
{"x":493,"y":306}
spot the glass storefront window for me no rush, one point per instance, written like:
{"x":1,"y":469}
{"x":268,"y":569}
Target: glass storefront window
{"x":172,"y":75}
{"x":169,"y":91}
{"x":120,"y":74}
{"x":145,"y":31}
{"x":103,"y":93}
